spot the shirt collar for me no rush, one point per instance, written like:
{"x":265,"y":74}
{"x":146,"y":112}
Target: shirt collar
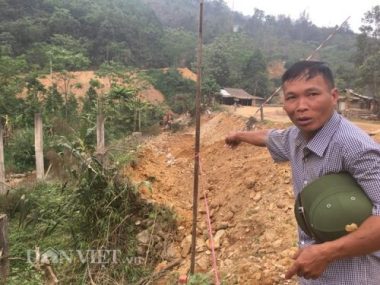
{"x":322,"y":138}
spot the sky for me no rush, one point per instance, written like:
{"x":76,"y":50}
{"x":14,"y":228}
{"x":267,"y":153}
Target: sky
{"x":323,"y":13}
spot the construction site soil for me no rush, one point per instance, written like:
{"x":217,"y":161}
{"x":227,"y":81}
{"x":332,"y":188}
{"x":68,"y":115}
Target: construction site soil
{"x":250,"y":199}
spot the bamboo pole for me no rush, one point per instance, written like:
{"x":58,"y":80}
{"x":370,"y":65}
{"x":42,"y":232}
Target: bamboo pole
{"x":3,"y":189}
{"x":197,"y":140}
{"x":39,"y":146}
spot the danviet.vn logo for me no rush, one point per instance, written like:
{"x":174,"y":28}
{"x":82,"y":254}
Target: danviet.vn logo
{"x":89,"y":256}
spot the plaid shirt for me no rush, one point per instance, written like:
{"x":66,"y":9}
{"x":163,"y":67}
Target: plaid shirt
{"x":338,"y":146}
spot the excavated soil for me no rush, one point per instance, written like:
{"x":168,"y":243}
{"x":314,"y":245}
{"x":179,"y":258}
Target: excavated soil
{"x":250,"y":198}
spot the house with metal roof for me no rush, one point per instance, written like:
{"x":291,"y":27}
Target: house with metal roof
{"x":230,"y":96}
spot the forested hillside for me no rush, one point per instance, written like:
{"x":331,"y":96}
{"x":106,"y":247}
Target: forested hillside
{"x":82,"y":34}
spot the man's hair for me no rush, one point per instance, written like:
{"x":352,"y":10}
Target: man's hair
{"x":309,"y":69}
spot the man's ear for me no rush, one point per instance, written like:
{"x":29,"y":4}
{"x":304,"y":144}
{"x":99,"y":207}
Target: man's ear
{"x":335,"y":95}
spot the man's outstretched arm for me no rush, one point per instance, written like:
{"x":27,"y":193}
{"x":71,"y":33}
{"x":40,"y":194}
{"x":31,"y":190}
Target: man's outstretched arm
{"x":257,"y":138}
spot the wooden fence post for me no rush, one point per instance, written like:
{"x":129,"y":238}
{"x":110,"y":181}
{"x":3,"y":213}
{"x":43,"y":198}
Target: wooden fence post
{"x":262,"y":113}
{"x":100,"y":143}
{"x":4,"y":249}
{"x":39,"y":146}
{"x":3,"y":188}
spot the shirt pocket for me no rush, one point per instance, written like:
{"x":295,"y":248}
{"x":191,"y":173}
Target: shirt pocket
{"x":332,"y":161}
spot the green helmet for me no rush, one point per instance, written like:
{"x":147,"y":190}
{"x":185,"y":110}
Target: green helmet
{"x":327,"y":207}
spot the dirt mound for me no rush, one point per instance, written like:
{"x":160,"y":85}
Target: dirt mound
{"x":217,"y":128}
{"x":152,"y":95}
{"x":187,"y":73}
{"x":250,"y":199}
{"x":78,"y":83}
{"x":276,"y":69}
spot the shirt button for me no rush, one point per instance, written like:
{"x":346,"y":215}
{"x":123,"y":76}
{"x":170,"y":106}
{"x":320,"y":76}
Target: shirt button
{"x":305,"y":182}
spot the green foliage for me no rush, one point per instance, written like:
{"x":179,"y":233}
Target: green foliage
{"x":19,"y":151}
{"x":11,"y":83}
{"x":370,"y":73}
{"x":111,"y":70}
{"x":95,"y":209}
{"x":34,"y":96}
{"x":218,"y":67}
{"x":233,"y":48}
{"x":368,"y":55}
{"x":63,"y":59}
{"x":179,"y":47}
{"x":72,"y":35}
{"x":200,"y":279}
{"x":209,"y":89}
{"x":53,"y":105}
{"x":178,"y":91}
{"x":256,"y":80}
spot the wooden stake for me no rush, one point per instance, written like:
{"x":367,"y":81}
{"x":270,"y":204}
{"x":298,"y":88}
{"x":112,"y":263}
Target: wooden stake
{"x":262,"y":113}
{"x":39,"y":146}
{"x":100,"y":142}
{"x":3,"y":189}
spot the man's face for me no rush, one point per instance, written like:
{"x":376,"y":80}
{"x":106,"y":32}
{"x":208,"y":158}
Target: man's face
{"x":309,"y":103}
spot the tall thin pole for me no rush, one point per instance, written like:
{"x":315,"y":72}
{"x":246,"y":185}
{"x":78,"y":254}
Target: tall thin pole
{"x":3,"y":189}
{"x":197,"y":140}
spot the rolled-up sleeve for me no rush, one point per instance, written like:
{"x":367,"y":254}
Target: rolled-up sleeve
{"x":278,"y":145}
{"x":365,"y":167}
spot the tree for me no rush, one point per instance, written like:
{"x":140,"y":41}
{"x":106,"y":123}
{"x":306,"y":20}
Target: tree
{"x":369,"y":73}
{"x":34,"y":97}
{"x":112,"y":70}
{"x":255,"y":75}
{"x":53,"y":103}
{"x":179,"y":47}
{"x":67,"y":60}
{"x":218,"y":68}
{"x":209,"y":89}
{"x":368,"y":56}
{"x":11,"y":84}
{"x":368,"y":42}
{"x":62,"y":22}
{"x":178,"y":91}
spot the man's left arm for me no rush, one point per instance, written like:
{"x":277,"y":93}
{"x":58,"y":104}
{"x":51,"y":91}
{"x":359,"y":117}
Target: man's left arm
{"x":311,"y":261}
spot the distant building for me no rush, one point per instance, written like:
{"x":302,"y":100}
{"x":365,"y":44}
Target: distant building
{"x":353,"y":104}
{"x":230,"y":96}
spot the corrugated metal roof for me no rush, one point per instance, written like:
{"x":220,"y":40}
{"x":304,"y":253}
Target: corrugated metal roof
{"x":358,"y":95}
{"x":238,"y":93}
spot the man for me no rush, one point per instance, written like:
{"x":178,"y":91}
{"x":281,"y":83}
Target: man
{"x":323,"y":142}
